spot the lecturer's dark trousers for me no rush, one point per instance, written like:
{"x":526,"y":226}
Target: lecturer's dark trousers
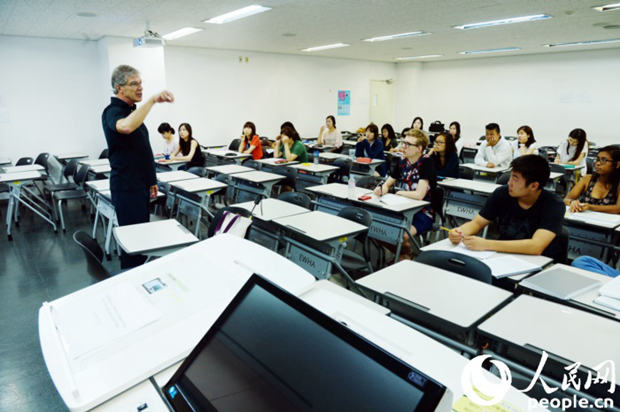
{"x":131,"y":207}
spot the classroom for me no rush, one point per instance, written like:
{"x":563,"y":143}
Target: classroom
{"x":309,"y":205}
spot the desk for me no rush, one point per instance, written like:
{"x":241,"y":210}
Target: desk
{"x":222,"y":154}
{"x":64,"y":157}
{"x":201,"y":281}
{"x":445,"y":302}
{"x":312,"y":174}
{"x":246,"y":186}
{"x":19,"y":193}
{"x":203,"y":188}
{"x":316,"y":240}
{"x":591,"y":233}
{"x":479,"y":171}
{"x":174,"y":164}
{"x":541,"y":261}
{"x":228,"y":169}
{"x":175,"y":176}
{"x":262,"y":230}
{"x":330,"y":156}
{"x":465,"y":198}
{"x":389,"y":222}
{"x":24,"y":168}
{"x":366,"y":169}
{"x":94,"y":162}
{"x":101,"y":170}
{"x":5,"y":161}
{"x":528,"y":325}
{"x":153,"y":238}
{"x":584,"y":301}
{"x":275,"y":165}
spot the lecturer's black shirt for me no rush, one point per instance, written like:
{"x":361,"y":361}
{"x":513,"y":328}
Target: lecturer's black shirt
{"x":516,"y":223}
{"x":131,"y":156}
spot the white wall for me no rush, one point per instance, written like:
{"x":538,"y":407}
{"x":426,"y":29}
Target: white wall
{"x":552,"y":93}
{"x":49,"y":97}
{"x":216,"y":94}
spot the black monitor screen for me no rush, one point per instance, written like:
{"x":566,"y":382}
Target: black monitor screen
{"x":270,"y":351}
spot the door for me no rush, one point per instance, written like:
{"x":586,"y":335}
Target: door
{"x":381,"y":102}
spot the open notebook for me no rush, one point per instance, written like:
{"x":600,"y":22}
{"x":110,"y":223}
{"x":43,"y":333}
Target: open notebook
{"x":501,"y":265}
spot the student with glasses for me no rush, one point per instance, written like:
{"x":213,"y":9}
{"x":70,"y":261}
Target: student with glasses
{"x":415,"y":176}
{"x":599,"y":191}
{"x":444,"y":154}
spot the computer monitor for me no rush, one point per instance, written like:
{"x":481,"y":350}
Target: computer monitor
{"x":271,"y":351}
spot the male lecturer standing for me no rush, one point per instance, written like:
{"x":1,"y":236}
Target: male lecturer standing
{"x":132,"y":180}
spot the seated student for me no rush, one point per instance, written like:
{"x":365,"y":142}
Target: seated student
{"x":388,"y":138}
{"x":415,"y":176}
{"x":170,"y":144}
{"x":250,"y":142}
{"x":573,"y":151}
{"x":599,"y":191}
{"x":329,"y":135}
{"x":189,"y":151}
{"x":525,"y":143}
{"x":455,"y":132}
{"x":289,"y":146}
{"x":495,"y":151}
{"x":417,"y":123}
{"x":529,"y":218}
{"x":371,"y":146}
{"x":444,"y":155}
{"x":594,"y":265}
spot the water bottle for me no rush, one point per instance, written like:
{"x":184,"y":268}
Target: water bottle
{"x":166,"y":153}
{"x":316,"y":157}
{"x":351,"y":188}
{"x":352,"y":154}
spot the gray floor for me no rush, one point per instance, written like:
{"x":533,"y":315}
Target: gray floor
{"x":36,"y":266}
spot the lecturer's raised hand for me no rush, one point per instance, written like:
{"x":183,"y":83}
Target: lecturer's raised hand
{"x":163,"y":97}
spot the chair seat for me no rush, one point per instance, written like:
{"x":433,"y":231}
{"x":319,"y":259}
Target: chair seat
{"x":69,"y":194}
{"x":61,"y":186}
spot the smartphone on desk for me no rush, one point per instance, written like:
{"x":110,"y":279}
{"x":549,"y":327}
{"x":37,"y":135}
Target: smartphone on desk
{"x":364,"y":197}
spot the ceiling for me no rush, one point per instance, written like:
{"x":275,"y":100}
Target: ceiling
{"x":296,"y":24}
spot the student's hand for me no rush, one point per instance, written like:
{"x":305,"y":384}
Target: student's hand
{"x":490,"y":164}
{"x":574,"y":206}
{"x":474,"y":242}
{"x":401,"y":193}
{"x":378,"y":191}
{"x":359,"y":139}
{"x":584,"y":206}
{"x":557,"y":161}
{"x":455,"y":236}
{"x":153,"y":192}
{"x":322,"y":128}
{"x":284,"y":139}
{"x":164,"y":96}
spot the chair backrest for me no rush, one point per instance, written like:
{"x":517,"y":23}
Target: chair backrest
{"x":466,"y":173}
{"x":80,"y":175}
{"x":589,"y":165}
{"x":24,"y":161}
{"x":220,"y":214}
{"x":234,"y":145}
{"x":437,"y":196}
{"x":367,"y":182}
{"x":93,"y":253}
{"x":251,"y":163}
{"x":344,"y":169}
{"x":503,"y":178}
{"x":104,"y":154}
{"x":42,"y":159}
{"x":54,"y":169}
{"x":564,"y":238}
{"x":296,"y":198}
{"x":457,"y":263}
{"x":356,"y":214}
{"x":70,"y":169}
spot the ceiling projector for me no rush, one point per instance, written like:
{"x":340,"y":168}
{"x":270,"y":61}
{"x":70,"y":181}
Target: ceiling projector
{"x":149,"y":39}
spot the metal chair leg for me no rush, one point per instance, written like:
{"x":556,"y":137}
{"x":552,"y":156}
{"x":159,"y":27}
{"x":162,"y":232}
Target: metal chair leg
{"x":62,"y":218}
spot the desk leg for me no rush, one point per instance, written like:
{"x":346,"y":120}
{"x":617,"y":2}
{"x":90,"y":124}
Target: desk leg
{"x":95,"y":224}
{"x":9,"y":213}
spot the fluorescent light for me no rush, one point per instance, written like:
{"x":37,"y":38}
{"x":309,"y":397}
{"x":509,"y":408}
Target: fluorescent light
{"x":238,"y":14}
{"x":503,"y":21}
{"x":426,"y":56}
{"x":326,"y":47}
{"x":398,"y":36}
{"x":185,"y":31}
{"x":608,"y":7}
{"x":583,"y":43}
{"x":505,"y":49}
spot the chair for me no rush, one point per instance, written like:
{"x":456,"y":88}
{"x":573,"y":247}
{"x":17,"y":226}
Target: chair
{"x":234,"y":145}
{"x":94,"y":255}
{"x":367,"y":182}
{"x":564,"y":239}
{"x":562,"y":187}
{"x":466,"y":173}
{"x":468,"y":154}
{"x":42,"y":160}
{"x":296,"y":198}
{"x":344,"y":169}
{"x":352,"y":261}
{"x":503,"y":178}
{"x":104,"y":154}
{"x":57,"y":174}
{"x":79,"y":178}
{"x":252,"y":163}
{"x":24,"y":161}
{"x":219,"y":215}
{"x":590,"y":165}
{"x":457,"y":263}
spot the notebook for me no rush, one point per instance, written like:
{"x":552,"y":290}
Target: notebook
{"x":611,"y":288}
{"x":608,"y":302}
{"x":503,"y":266}
{"x":478,"y":254}
{"x":560,"y":283}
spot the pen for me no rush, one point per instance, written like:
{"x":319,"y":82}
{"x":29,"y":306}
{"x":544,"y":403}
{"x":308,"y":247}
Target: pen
{"x":445,"y":228}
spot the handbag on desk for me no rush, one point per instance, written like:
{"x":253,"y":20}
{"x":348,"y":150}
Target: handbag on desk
{"x":232,"y":224}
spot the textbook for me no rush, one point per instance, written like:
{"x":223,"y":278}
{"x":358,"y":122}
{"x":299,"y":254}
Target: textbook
{"x":560,"y":283}
{"x":503,"y":266}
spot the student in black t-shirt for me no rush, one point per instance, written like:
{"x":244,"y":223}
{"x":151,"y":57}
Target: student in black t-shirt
{"x":189,"y":151}
{"x":529,"y":217}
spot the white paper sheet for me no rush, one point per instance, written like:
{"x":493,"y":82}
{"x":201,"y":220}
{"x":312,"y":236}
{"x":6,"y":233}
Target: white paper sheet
{"x":478,"y":254}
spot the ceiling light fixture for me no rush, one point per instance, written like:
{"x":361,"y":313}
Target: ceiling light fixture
{"x":325,"y":47}
{"x":511,"y":20}
{"x":238,"y":14}
{"x":426,"y":56}
{"x":397,"y":36}
{"x":583,"y":43}
{"x":185,"y":31}
{"x":505,"y":49}
{"x":608,"y":7}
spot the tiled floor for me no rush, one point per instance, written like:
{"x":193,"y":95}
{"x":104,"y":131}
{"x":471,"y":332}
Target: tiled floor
{"x":36,"y":266}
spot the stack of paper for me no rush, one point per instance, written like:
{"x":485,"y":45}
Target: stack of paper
{"x":610,"y":295}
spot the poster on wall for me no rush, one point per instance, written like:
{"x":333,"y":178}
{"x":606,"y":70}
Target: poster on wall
{"x":344,"y":102}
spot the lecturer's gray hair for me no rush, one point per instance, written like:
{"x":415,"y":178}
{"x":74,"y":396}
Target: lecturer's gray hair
{"x":121,"y":74}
